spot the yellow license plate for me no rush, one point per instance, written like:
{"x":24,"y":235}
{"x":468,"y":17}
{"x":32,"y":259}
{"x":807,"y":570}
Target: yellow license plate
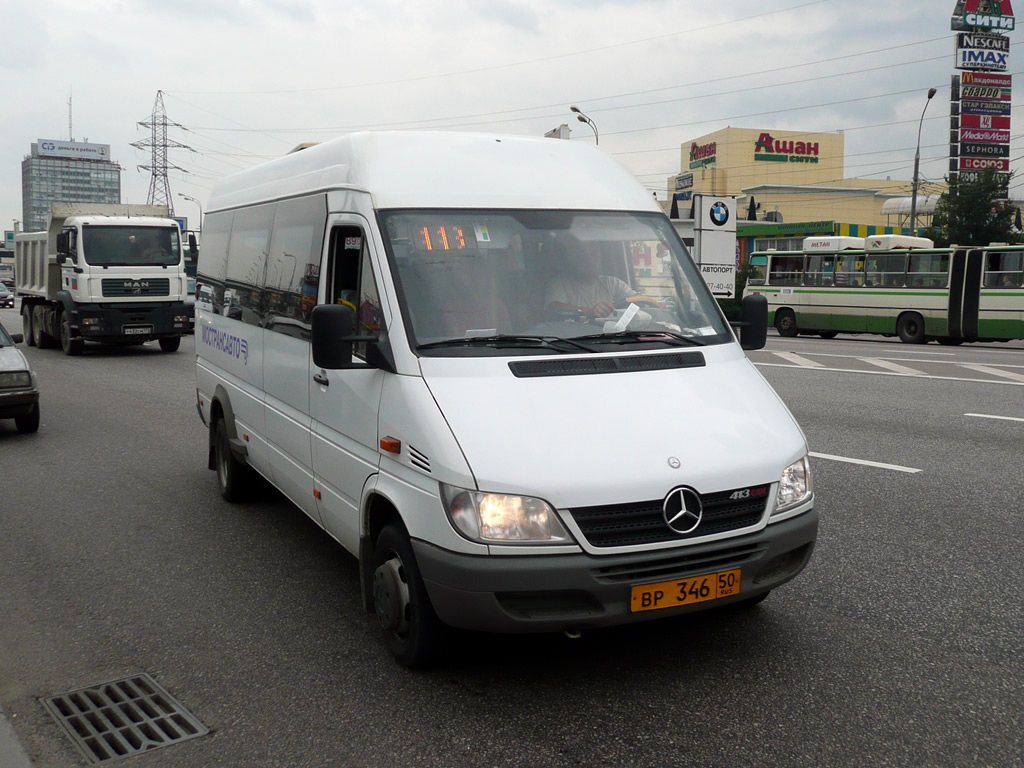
{"x":696,"y":589}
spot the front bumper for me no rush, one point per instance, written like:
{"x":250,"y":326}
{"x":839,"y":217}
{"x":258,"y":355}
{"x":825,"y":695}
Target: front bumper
{"x":17,"y":402}
{"x":126,"y":322}
{"x":547,"y":593}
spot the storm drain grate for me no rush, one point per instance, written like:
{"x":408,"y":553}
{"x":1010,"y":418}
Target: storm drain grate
{"x":123,"y":718}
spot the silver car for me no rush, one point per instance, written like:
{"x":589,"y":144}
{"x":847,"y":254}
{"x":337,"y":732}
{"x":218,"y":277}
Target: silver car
{"x":19,"y":387}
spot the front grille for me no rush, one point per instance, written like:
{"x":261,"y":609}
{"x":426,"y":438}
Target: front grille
{"x":717,"y":556}
{"x":624,"y":525}
{"x":130,"y":286}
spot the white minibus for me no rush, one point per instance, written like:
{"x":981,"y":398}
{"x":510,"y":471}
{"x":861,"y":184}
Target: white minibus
{"x":488,"y":367}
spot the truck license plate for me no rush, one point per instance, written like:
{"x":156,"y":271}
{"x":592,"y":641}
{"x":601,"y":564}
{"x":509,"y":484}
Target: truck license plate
{"x":696,"y":589}
{"x":137,"y":330}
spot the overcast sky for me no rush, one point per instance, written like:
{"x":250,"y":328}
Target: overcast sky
{"x":250,"y":79}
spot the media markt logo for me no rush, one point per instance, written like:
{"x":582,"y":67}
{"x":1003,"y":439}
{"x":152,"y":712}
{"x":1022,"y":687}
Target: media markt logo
{"x":719,"y":214}
{"x":776,"y":150}
{"x":982,"y":14}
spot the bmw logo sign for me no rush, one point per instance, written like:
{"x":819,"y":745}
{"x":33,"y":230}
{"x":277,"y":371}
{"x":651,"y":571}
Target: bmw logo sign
{"x":719,"y":214}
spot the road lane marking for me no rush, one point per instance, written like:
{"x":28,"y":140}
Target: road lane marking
{"x":992,"y":371}
{"x":803,"y":362}
{"x":990,"y":416}
{"x":865,"y":462}
{"x":888,"y":373}
{"x":891,"y":366}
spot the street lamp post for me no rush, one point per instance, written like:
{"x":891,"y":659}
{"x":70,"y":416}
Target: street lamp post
{"x":186,"y":197}
{"x":584,"y":119}
{"x":917,"y":163}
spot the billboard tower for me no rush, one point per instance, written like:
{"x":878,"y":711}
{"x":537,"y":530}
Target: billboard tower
{"x":979,"y":107}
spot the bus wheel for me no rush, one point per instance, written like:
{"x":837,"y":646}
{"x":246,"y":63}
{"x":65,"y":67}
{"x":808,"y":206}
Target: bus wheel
{"x":412,"y":631}
{"x":828,"y":334}
{"x":785,"y":323}
{"x":910,"y":328}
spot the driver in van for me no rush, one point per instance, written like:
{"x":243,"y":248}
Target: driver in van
{"x":580,"y":288}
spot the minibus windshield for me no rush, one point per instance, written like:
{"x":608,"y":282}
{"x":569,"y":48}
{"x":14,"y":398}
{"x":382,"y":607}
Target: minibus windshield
{"x":519,"y":282}
{"x":130,"y":246}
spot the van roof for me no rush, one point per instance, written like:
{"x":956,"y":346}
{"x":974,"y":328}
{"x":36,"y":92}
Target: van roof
{"x":422,"y":169}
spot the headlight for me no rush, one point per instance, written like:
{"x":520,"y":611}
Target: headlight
{"x":494,"y":518}
{"x":16,"y":379}
{"x":794,"y":485}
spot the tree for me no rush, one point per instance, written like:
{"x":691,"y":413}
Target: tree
{"x":975,"y":213}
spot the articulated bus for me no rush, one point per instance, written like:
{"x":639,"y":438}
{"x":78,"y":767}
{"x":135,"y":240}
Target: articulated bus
{"x":894,"y":286}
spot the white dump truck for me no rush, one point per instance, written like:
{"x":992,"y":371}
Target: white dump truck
{"x":105,"y":272}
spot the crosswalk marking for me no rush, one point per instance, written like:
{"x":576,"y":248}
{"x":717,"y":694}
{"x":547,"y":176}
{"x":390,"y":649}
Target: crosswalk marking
{"x":993,"y":371}
{"x":891,"y":366}
{"x":803,"y":362}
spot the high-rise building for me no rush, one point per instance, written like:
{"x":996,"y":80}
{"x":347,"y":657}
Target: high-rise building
{"x":66,"y":172}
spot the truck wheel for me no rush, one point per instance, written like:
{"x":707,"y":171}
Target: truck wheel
{"x":42,"y":338}
{"x":170,"y":344}
{"x":910,"y":328}
{"x":26,"y":326}
{"x":71,"y":345}
{"x":412,"y":631}
{"x":233,"y":476}
{"x":29,"y":422}
{"x":785,"y":323}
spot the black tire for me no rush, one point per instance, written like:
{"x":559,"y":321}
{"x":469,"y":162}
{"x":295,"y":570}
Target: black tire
{"x":27,"y":326}
{"x":910,"y":328}
{"x":42,"y":338}
{"x":785,"y":323}
{"x":234,"y":477}
{"x":170,"y":344}
{"x":71,"y":345}
{"x":29,"y":422}
{"x":412,"y":632}
{"x":828,"y":334}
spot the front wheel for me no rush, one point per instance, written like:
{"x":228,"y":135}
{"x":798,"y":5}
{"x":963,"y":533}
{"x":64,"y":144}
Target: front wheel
{"x":29,"y":422}
{"x":785,"y":323}
{"x":910,"y":328}
{"x":412,"y":631}
{"x":27,"y":329}
{"x":170,"y":344}
{"x":70,"y":345}
{"x":232,"y":474}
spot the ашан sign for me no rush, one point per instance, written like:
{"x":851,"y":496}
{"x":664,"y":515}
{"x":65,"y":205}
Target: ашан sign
{"x":785,"y":150}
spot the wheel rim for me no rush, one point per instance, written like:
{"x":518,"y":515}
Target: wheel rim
{"x":391,"y":596}
{"x":222,"y":462}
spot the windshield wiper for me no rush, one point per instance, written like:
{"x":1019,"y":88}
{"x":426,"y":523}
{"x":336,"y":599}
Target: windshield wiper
{"x":639,"y":337}
{"x":503,"y":340}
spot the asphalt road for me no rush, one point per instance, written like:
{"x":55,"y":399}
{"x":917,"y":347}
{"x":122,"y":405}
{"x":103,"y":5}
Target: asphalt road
{"x":901,"y":644}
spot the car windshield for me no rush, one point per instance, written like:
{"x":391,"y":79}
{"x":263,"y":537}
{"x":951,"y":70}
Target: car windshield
{"x":5,"y":338}
{"x":520,"y":282}
{"x":131,"y":246}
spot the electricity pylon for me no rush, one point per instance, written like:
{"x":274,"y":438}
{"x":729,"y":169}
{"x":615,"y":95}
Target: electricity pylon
{"x":159,"y":186}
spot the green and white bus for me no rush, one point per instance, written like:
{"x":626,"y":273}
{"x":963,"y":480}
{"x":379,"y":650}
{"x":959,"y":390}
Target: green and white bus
{"x":894,"y":286}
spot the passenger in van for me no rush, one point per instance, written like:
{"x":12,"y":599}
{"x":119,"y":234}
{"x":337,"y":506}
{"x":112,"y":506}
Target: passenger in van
{"x":580,"y":287}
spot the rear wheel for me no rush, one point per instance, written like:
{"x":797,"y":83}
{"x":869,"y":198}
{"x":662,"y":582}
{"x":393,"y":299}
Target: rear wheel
{"x":412,"y":631}
{"x":785,"y":323}
{"x":29,"y":422}
{"x":170,"y":344}
{"x":27,"y":326}
{"x":910,"y":328}
{"x":71,"y":345}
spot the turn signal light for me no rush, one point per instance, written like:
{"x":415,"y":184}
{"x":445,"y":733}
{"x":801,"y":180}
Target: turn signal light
{"x":391,"y":444}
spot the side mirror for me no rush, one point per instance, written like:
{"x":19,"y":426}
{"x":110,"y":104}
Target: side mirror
{"x":17,"y":338}
{"x":332,"y":337}
{"x":754,"y":323}
{"x":193,"y":246}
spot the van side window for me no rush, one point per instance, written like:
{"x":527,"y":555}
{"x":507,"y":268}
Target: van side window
{"x":352,"y":282}
{"x":293,"y":265}
{"x":247,"y":260}
{"x":210,"y":282}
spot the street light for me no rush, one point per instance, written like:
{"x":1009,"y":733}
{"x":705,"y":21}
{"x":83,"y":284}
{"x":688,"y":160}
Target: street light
{"x":584,"y":119}
{"x":917,"y":163}
{"x":181,"y":194}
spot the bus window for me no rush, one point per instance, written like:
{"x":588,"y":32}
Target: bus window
{"x":820,"y":269}
{"x":850,"y":269}
{"x":758,"y":270}
{"x":786,"y":270}
{"x":886,"y":270}
{"x":928,"y":270}
{"x":1003,"y":269}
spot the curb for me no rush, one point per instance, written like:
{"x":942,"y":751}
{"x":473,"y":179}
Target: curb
{"x":12,"y":753}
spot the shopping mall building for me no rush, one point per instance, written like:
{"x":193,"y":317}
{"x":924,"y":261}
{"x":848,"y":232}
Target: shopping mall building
{"x":790,"y":185}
